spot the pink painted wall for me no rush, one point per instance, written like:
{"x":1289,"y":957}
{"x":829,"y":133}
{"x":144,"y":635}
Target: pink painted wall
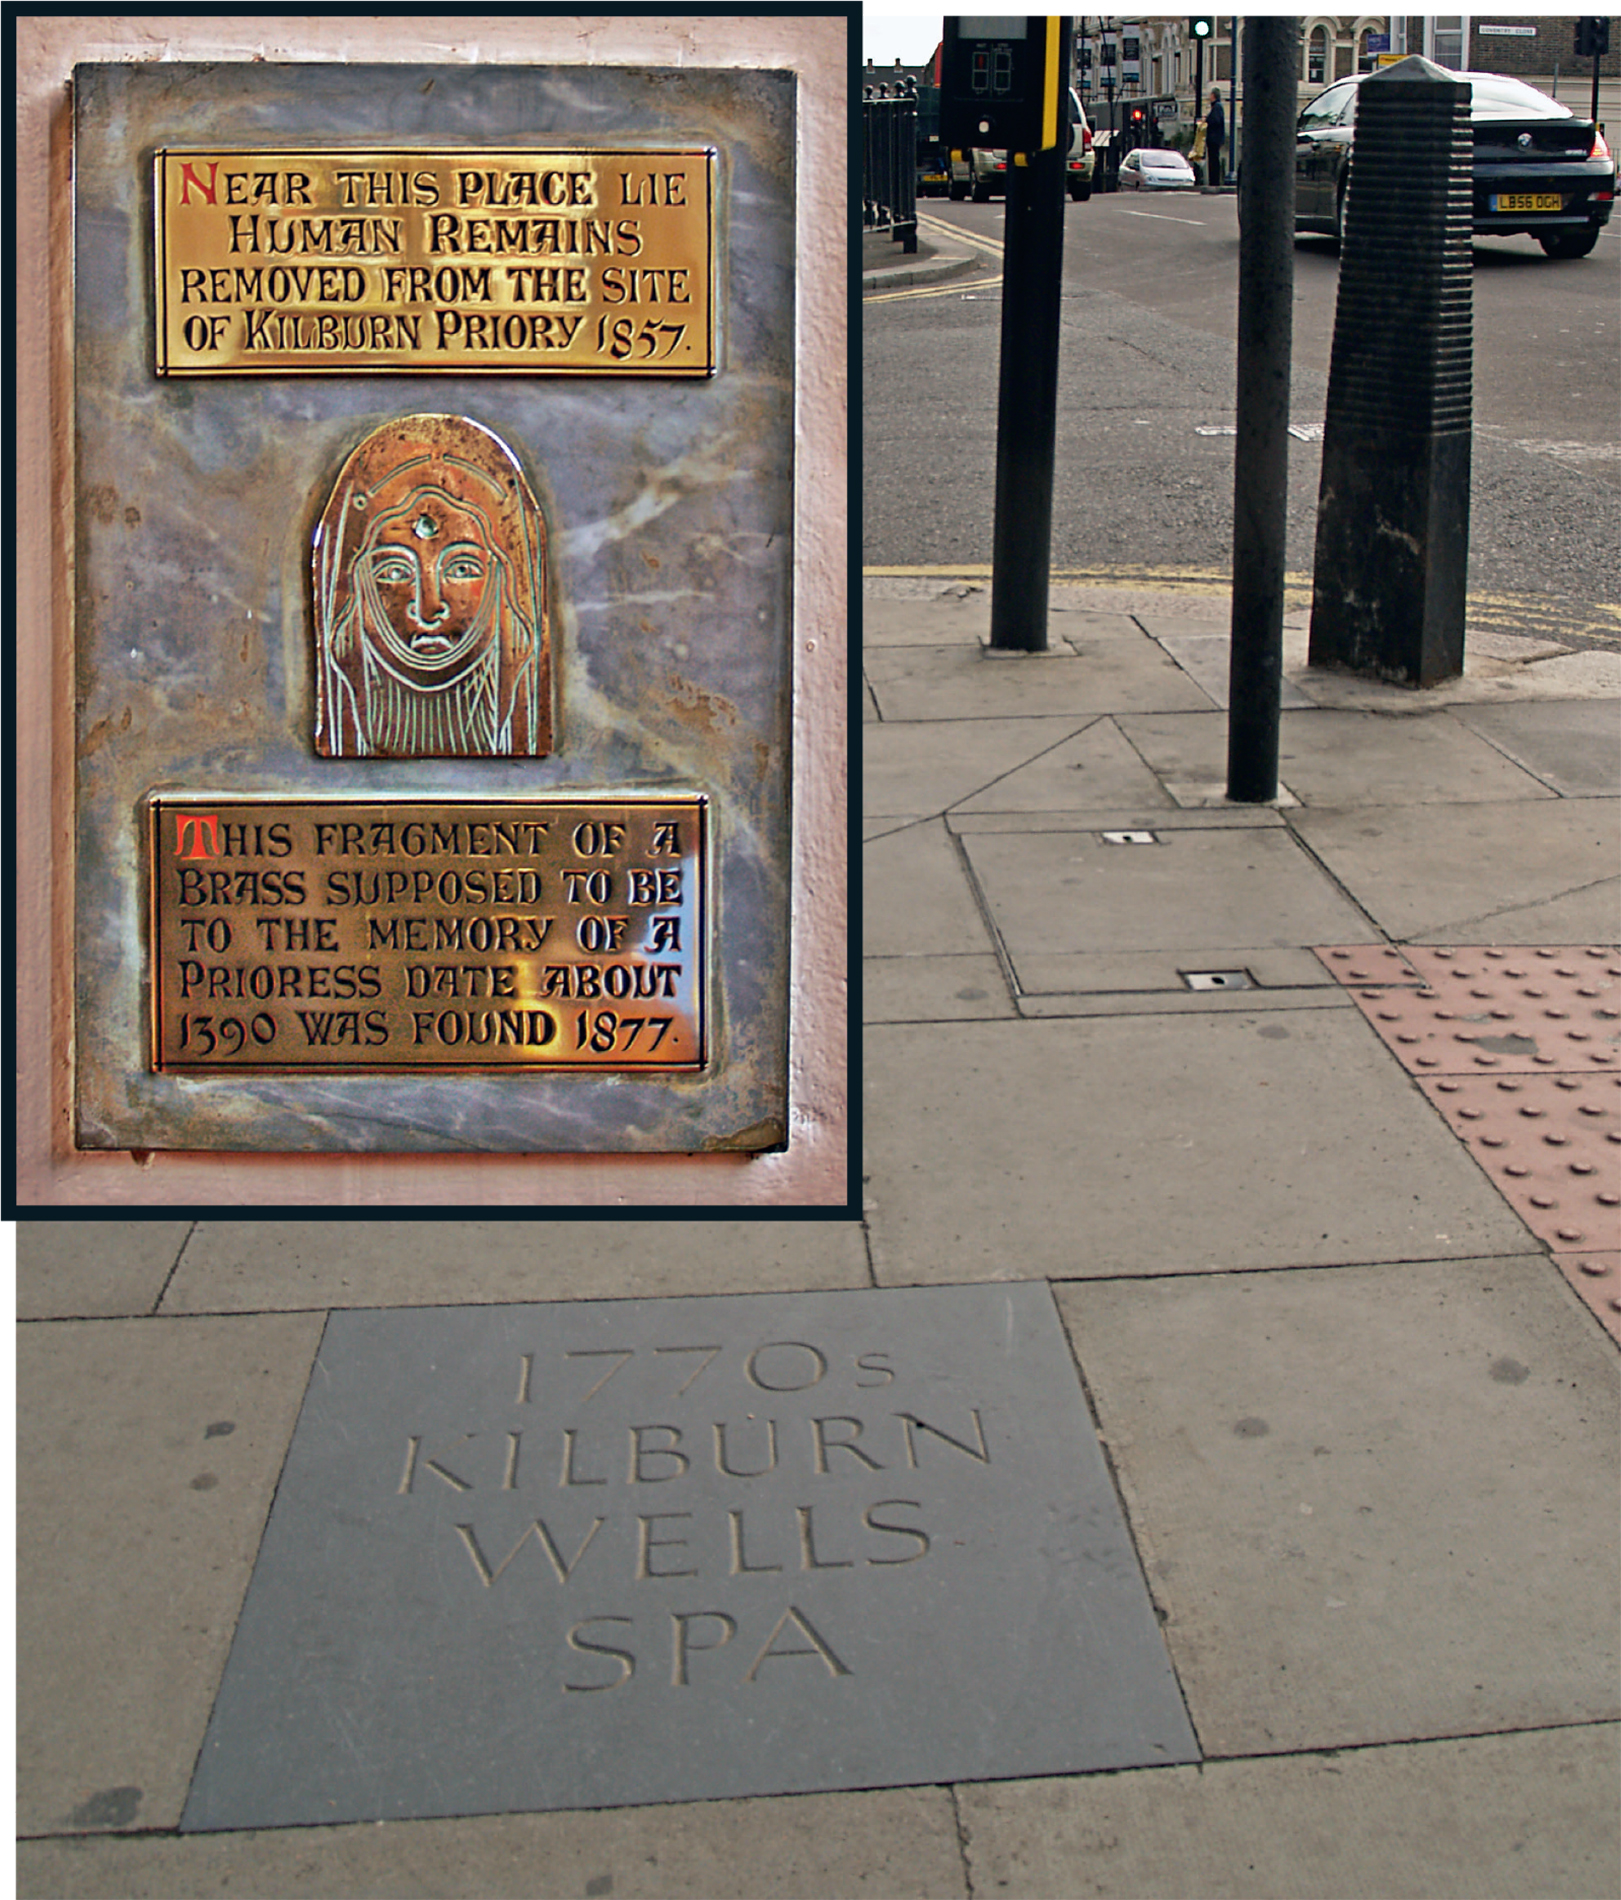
{"x":50,"y":1172}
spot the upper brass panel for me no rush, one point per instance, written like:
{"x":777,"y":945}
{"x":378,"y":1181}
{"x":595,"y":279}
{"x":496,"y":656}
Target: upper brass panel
{"x":564,"y":262}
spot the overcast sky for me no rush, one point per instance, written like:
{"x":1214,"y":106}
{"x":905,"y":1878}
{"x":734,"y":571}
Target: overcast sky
{"x":909,"y":37}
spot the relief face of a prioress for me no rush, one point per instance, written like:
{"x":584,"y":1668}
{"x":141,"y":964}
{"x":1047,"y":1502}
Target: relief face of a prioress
{"x":432,"y":629}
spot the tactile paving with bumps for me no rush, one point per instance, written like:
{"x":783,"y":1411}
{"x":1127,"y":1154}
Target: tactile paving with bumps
{"x":1508,"y":1011}
{"x":1552,"y":1143}
{"x":1520,"y":1051}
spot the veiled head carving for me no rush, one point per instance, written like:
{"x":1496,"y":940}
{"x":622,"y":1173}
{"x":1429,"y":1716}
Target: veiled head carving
{"x":432,"y":632}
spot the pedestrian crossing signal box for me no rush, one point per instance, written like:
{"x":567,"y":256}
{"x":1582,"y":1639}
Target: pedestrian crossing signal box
{"x":1003,"y":84}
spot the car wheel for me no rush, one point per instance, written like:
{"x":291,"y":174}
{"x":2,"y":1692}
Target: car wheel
{"x":1080,"y":193}
{"x":955,"y":192}
{"x":1569,"y":243}
{"x":982,"y":193}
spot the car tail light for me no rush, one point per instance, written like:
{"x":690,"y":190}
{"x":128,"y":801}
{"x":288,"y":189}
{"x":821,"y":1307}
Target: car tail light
{"x":1600,"y":149}
{"x":1086,"y":140}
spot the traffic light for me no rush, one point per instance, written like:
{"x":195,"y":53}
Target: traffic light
{"x":1203,"y":28}
{"x":1592,"y":37}
{"x":1137,"y":115}
{"x":1004,"y":83}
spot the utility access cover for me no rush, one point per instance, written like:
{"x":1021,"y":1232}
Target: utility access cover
{"x":597,"y":1554}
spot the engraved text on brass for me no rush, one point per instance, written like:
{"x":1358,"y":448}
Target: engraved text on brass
{"x":380,"y":933}
{"x":435,"y":260}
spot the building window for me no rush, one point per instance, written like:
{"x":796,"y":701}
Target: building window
{"x":1446,"y":42}
{"x":1317,"y":56}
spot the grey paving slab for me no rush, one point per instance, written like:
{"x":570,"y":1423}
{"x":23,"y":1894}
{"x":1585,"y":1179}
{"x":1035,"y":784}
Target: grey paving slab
{"x":1160,"y":1145}
{"x":1533,"y":871}
{"x":1207,"y":657}
{"x":962,"y":682}
{"x":1270,"y":966}
{"x":1095,"y":771}
{"x":1080,"y":629}
{"x":945,"y":616}
{"x":1498,"y":671}
{"x":917,"y":900}
{"x":933,"y":989}
{"x":891,"y":1844}
{"x":147,"y":1453}
{"x":1373,"y":1503}
{"x":1208,"y":619}
{"x":521,"y":1558}
{"x":1170,"y":1003}
{"x":958,"y":614}
{"x":1056,"y":894}
{"x":1356,"y":758}
{"x":83,"y":1268}
{"x":1500,"y":1817}
{"x":1171,"y":818}
{"x":1345,"y":759}
{"x":919,"y":770}
{"x":263,"y":1266}
{"x":1574,"y":746}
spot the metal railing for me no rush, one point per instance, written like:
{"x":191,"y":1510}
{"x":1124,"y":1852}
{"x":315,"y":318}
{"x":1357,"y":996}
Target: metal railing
{"x":889,"y":161}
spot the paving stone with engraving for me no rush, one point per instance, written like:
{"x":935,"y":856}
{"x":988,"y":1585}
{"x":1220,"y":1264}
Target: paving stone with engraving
{"x":615,"y":1552}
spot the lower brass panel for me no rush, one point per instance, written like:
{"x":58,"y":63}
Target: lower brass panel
{"x":342,"y":934}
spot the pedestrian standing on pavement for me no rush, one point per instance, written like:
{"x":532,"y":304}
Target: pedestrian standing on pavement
{"x":1215,"y":132}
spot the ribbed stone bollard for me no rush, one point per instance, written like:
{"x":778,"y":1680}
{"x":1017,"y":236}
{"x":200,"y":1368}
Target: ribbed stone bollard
{"x":1393,"y":508}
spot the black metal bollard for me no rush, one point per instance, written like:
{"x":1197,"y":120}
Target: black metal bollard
{"x":1027,"y":402}
{"x":1266,"y":277}
{"x":1393,"y":508}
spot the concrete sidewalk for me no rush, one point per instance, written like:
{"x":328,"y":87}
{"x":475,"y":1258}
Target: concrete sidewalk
{"x":1214,"y":1075}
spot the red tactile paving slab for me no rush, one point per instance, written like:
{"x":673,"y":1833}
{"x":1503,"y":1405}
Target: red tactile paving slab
{"x":1506,"y":1011}
{"x":1597,"y":1278}
{"x":1352,"y":963}
{"x":1552,"y":1146}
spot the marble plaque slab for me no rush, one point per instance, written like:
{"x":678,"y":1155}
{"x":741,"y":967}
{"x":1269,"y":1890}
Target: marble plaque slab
{"x":595,"y":1555}
{"x":615,"y":559}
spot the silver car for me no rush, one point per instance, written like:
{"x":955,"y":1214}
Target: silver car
{"x":1150,"y":170}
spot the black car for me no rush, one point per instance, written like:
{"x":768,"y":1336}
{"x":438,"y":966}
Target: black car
{"x":1538,"y":168}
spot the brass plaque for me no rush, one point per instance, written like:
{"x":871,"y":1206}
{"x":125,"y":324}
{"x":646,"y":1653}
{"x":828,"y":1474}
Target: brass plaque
{"x":432,"y":632}
{"x":336,"y":262}
{"x":398,"y":933}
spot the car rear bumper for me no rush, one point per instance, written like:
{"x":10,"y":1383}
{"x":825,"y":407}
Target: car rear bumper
{"x":1586,"y":193}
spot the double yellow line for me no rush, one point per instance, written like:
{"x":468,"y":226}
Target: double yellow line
{"x":937,"y":227}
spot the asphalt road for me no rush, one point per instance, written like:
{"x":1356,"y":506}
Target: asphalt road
{"x":1147,"y":374}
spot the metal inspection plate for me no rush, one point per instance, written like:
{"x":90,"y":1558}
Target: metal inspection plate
{"x":608,"y":1553}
